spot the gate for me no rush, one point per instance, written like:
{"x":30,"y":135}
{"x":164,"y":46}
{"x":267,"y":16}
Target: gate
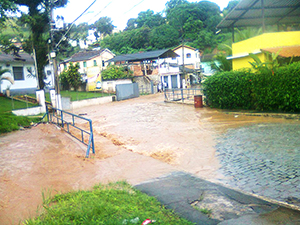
{"x":68,"y":122}
{"x":127,"y":91}
{"x":180,"y":94}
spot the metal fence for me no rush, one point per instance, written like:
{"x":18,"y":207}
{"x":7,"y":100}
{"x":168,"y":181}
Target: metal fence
{"x":181,"y":94}
{"x":69,"y":122}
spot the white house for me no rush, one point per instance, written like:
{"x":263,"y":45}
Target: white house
{"x":21,"y":71}
{"x":187,"y":55}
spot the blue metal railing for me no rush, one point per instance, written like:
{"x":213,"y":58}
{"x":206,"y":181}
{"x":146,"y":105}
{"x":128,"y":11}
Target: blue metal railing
{"x":181,"y":94}
{"x":66,"y":120}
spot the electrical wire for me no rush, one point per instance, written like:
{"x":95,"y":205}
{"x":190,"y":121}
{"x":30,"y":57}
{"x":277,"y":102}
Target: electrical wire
{"x":133,"y":7}
{"x":101,"y":11}
{"x":64,"y":36}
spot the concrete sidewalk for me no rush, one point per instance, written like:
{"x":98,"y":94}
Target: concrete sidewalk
{"x":206,"y":203}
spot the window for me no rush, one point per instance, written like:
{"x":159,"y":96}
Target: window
{"x":18,"y":73}
{"x":65,"y":66}
{"x":173,"y":58}
{"x":95,"y":62}
{"x":84,"y":64}
{"x":188,"y":55}
{"x":103,"y":63}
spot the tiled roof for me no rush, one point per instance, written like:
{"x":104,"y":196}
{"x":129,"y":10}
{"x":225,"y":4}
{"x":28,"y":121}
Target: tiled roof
{"x":285,"y":52}
{"x":185,"y":46}
{"x":165,"y":53}
{"x":21,"y":57}
{"x":85,"y":55}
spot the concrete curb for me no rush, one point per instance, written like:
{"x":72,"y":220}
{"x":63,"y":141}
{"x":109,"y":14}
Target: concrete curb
{"x":183,"y":192}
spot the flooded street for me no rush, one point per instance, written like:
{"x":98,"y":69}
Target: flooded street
{"x":143,"y":138}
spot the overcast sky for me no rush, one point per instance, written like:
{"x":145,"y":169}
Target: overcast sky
{"x":118,"y":10}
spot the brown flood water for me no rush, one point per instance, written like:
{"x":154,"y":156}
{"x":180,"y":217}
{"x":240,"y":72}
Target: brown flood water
{"x":45,"y":160}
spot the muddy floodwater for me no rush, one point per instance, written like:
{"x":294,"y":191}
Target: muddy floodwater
{"x":143,"y":138}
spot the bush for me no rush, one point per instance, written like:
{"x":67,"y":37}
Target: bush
{"x":9,"y":122}
{"x":114,"y":72}
{"x":266,"y":90}
{"x":279,"y":91}
{"x":229,"y":90}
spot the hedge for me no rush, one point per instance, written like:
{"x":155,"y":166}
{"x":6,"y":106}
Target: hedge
{"x":266,"y":90}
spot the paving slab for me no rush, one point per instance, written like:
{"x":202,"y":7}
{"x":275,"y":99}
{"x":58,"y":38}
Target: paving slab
{"x":204,"y":202}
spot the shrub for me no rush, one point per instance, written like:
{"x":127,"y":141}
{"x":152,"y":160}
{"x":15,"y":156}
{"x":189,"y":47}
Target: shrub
{"x":229,"y":90}
{"x":276,"y":89}
{"x":279,"y":91}
{"x":114,"y":72}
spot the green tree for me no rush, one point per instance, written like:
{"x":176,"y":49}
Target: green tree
{"x":174,"y":3}
{"x":103,"y":26}
{"x":185,"y":19}
{"x":71,"y":77}
{"x":148,"y":18}
{"x":164,"y":36}
{"x":38,"y":21}
{"x":229,"y":7}
{"x":131,"y":24}
{"x":114,"y":72}
{"x":79,"y":32}
{"x":6,"y":6}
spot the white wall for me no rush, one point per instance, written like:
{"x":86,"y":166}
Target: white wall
{"x":194,"y":60}
{"x":110,"y":85}
{"x":29,"y":79}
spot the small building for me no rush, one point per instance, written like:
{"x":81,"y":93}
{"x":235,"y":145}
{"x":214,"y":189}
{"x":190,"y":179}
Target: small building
{"x":189,"y":62}
{"x":188,"y":56}
{"x":286,"y":44}
{"x":152,"y":68}
{"x":263,"y":13}
{"x":21,"y":73}
{"x":91,"y":63}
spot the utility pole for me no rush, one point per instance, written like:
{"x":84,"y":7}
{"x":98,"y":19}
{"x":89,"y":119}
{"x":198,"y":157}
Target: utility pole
{"x":53,"y":57}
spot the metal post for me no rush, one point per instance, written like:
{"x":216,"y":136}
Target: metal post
{"x":62,"y":118}
{"x":263,"y":16}
{"x":92,"y":136}
{"x":47,"y":111}
{"x":232,"y":32}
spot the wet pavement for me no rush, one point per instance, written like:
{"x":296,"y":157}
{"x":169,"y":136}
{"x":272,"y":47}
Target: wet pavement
{"x":206,"y":203}
{"x":263,"y":159}
{"x":138,"y":140}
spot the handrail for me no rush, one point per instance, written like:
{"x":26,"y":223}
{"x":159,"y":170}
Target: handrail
{"x":62,"y":122}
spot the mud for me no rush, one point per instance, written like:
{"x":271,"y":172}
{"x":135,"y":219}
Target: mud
{"x":135,"y":140}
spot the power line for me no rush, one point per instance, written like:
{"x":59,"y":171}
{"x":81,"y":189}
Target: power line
{"x":64,"y":36}
{"x":101,"y":10}
{"x":133,"y":7}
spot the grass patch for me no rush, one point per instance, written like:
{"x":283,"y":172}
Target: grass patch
{"x":80,"y":95}
{"x":10,"y":122}
{"x":7,"y":105}
{"x":115,"y":203}
{"x":76,"y":95}
{"x":205,"y":211}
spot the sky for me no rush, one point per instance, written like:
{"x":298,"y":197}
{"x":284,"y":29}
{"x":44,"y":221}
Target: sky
{"x":120,"y":11}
